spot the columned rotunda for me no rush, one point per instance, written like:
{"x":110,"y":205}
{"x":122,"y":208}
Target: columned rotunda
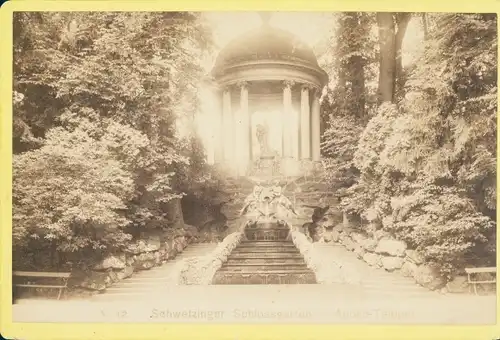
{"x":266,"y":86}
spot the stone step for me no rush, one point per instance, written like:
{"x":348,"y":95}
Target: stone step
{"x":263,"y":244}
{"x":262,"y":230}
{"x":264,"y":261}
{"x":262,"y":269}
{"x":265,"y":269}
{"x":267,"y":277}
{"x":267,"y":226}
{"x":264,"y":250}
{"x":264,"y":256}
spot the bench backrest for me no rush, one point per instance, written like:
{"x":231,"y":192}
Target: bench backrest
{"x":481,"y":270}
{"x":40,"y":274}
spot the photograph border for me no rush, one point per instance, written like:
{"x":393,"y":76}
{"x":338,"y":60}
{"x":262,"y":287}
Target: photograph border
{"x":9,"y":329}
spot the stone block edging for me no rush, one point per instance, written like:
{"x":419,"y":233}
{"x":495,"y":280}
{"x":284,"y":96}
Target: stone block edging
{"x":380,"y":250}
{"x":201,"y":270}
{"x":140,"y":255}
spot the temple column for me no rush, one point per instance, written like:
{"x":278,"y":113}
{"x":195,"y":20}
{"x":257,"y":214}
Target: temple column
{"x":315,"y":126}
{"x":287,"y":120}
{"x":218,"y":130}
{"x":243,"y":152}
{"x":305,"y":124}
{"x":227,"y":127}
{"x":294,"y":129}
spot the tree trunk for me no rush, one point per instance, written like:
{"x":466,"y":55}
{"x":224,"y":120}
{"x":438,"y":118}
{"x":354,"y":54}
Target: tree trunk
{"x":424,"y":26}
{"x":358,"y":86}
{"x":174,"y":213}
{"x":351,"y":65}
{"x":387,"y":41}
{"x":53,"y":247}
{"x":402,"y":20}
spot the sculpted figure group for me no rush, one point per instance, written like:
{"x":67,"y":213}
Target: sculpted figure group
{"x":267,"y":203}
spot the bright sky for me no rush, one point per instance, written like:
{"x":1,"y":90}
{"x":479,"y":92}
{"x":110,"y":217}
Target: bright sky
{"x":310,"y":27}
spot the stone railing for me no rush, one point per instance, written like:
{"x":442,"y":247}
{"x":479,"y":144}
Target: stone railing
{"x":201,"y":270}
{"x":327,"y":270}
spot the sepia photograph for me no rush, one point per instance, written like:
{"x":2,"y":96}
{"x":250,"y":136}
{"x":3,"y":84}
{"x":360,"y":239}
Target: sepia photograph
{"x":254,"y":167}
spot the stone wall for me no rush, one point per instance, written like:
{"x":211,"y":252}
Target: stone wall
{"x":306,"y":194}
{"x":380,"y":250}
{"x":143,"y":254}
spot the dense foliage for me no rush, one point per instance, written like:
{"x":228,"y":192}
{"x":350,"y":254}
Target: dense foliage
{"x":428,"y":164}
{"x":96,"y":150}
{"x":351,"y":62}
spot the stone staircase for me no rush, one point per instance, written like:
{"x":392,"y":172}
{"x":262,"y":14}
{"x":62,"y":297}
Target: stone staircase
{"x":155,"y":280}
{"x":267,"y":256}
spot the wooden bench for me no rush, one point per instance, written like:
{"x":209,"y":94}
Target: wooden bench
{"x":61,"y":277}
{"x":471,"y":272}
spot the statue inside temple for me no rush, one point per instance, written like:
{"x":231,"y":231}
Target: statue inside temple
{"x":268,"y":160}
{"x":263,"y":139}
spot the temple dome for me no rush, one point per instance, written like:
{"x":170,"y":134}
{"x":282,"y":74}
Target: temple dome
{"x":265,"y":43}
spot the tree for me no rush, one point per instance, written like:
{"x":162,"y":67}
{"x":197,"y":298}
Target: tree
{"x":349,"y":101}
{"x":428,"y":166}
{"x":387,"y":56}
{"x":353,"y":52}
{"x":392,"y":29}
{"x":112,"y":82}
{"x":402,"y":21}
{"x":71,"y":192}
{"x":425,"y":26}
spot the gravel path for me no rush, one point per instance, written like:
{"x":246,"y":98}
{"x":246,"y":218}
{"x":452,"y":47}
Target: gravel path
{"x":267,"y":304}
